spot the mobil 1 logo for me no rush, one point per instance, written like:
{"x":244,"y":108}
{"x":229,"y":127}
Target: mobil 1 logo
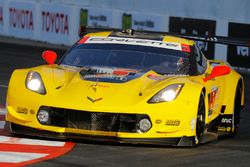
{"x":239,"y":55}
{"x":195,"y":27}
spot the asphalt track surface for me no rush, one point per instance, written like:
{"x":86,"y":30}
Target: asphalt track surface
{"x":224,"y":152}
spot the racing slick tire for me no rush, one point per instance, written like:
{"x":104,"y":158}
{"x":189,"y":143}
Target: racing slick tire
{"x":200,"y":122}
{"x":237,"y":110}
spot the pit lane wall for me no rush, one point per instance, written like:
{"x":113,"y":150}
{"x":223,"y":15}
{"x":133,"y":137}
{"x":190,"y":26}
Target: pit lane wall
{"x":58,"y":21}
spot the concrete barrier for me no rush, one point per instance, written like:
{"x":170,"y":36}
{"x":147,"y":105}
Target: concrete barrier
{"x":58,"y":21}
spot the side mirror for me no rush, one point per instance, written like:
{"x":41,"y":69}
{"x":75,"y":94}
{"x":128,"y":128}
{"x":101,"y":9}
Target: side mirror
{"x":49,"y":56}
{"x":217,"y":71}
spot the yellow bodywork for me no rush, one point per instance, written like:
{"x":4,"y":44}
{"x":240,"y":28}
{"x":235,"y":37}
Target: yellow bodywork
{"x":66,"y":89}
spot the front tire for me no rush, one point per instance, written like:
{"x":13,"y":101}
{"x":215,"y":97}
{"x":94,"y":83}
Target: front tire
{"x":200,"y":121}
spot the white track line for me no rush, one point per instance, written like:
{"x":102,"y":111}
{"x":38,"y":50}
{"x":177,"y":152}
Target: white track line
{"x":3,"y":86}
{"x":3,"y":111}
{"x":2,"y":123}
{"x":17,"y":157}
{"x":13,"y":140}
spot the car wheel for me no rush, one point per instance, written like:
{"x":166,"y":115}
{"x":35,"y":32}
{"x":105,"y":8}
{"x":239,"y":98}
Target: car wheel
{"x":200,"y":122}
{"x":237,"y":110}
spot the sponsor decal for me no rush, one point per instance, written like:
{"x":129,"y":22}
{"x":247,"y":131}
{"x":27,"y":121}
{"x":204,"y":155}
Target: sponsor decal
{"x":173,"y":122}
{"x":94,"y":100}
{"x":133,"y":41}
{"x":242,"y":51}
{"x":226,"y":120}
{"x":145,"y":23}
{"x":239,"y":55}
{"x":110,"y":74}
{"x":106,"y":76}
{"x":150,"y":22}
{"x":225,"y":129}
{"x":97,"y":85}
{"x":22,"y":110}
{"x":32,"y":111}
{"x":98,"y":17}
{"x":195,"y":27}
{"x":55,"y":22}
{"x":21,"y":18}
{"x":114,"y":71}
{"x":212,"y":99}
{"x":158,"y":121}
{"x":116,"y":75}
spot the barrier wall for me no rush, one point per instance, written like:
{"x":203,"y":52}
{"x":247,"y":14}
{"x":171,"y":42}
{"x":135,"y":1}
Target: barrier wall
{"x":58,"y":22}
{"x":1,"y":16}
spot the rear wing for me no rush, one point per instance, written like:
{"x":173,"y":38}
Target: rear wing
{"x":212,"y":39}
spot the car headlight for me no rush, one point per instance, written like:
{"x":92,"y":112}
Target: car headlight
{"x":167,"y":94}
{"x":34,"y":83}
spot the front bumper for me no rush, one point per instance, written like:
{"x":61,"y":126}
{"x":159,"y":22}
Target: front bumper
{"x":170,"y":121}
{"x":174,"y":141}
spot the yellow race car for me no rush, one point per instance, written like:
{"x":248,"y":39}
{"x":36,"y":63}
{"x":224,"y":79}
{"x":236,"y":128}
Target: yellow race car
{"x":127,"y":87}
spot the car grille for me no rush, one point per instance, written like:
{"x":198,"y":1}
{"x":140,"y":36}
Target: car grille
{"x":99,"y":121}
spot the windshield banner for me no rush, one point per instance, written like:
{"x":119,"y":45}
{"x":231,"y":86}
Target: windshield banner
{"x":132,"y":41}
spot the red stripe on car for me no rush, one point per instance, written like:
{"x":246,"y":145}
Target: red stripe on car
{"x":83,"y":40}
{"x":185,"y":48}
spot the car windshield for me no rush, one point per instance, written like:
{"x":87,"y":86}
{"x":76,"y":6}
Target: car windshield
{"x":143,"y":58}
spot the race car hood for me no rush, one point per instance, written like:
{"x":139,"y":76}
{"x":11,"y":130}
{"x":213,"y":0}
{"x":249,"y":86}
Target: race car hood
{"x":118,"y":87}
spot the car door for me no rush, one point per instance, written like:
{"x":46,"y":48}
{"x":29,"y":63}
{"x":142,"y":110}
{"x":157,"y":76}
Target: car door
{"x":214,"y":87}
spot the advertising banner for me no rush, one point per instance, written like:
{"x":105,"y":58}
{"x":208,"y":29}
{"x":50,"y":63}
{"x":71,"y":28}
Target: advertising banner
{"x":126,"y":21}
{"x":142,"y":21}
{"x":96,"y":17}
{"x":195,"y":27}
{"x":1,"y":17}
{"x":21,"y":19}
{"x":239,"y":55}
{"x":55,"y":23}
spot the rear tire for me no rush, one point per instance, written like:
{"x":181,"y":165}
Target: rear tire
{"x":237,"y":110}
